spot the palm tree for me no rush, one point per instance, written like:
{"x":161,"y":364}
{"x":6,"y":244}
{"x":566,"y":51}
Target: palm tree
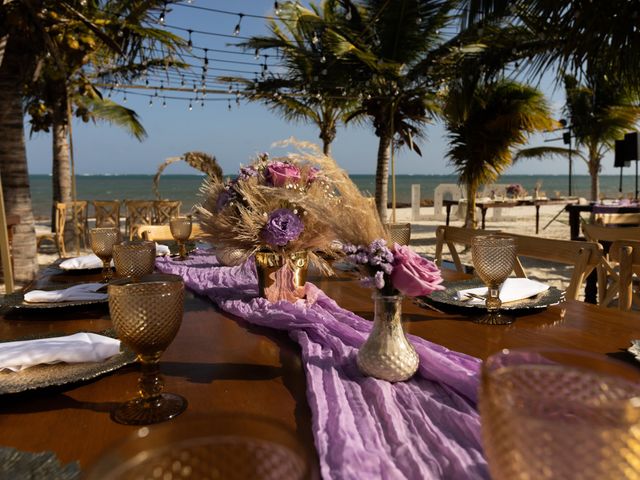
{"x":574,"y":34}
{"x":30,"y":31}
{"x":391,"y":48}
{"x":310,"y":88}
{"x":599,"y":111}
{"x":83,"y":53}
{"x":485,"y":120}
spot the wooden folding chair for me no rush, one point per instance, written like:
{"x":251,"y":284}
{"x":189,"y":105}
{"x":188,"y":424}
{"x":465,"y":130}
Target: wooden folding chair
{"x":619,"y":219}
{"x":165,"y":210}
{"x":450,"y":236}
{"x":608,"y":268}
{"x":160,"y":233}
{"x":399,"y":233}
{"x":583,"y":256}
{"x":77,"y":212}
{"x":107,"y":213}
{"x":139,"y":212}
{"x":57,"y":237}
{"x":627,"y":254}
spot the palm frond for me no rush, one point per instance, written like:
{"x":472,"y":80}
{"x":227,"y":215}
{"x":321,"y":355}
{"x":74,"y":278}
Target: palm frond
{"x":109,"y":111}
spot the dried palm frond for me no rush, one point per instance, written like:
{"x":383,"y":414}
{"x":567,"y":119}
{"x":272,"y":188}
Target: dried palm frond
{"x":202,"y":162}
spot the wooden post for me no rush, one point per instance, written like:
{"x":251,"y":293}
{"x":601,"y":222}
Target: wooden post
{"x":5,"y":252}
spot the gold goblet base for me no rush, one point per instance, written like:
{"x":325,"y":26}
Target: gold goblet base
{"x":495,"y":318}
{"x":141,"y":411}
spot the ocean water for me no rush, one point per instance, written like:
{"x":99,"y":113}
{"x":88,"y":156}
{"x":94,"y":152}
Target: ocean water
{"x":186,"y":187}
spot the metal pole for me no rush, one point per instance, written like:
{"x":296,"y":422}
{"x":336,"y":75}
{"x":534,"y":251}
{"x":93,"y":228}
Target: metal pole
{"x":570,"y":164}
{"x":636,"y":179}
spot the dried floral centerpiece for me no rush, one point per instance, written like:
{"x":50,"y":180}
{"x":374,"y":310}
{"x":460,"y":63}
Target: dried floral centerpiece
{"x":516,"y":190}
{"x":392,"y":270}
{"x":265,"y":212}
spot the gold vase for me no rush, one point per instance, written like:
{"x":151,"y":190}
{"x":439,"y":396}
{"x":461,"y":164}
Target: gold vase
{"x":387,"y":354}
{"x":281,"y":277}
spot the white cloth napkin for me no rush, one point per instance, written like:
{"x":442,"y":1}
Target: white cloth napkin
{"x":635,"y":349}
{"x":84,"y":262}
{"x":512,"y":289}
{"x":162,"y":250}
{"x":77,"y":348}
{"x":83,"y":291}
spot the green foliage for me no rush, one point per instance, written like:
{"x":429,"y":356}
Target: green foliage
{"x":486,"y":121}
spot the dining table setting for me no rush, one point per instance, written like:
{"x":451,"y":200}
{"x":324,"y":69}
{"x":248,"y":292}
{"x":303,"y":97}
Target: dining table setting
{"x":359,"y":360}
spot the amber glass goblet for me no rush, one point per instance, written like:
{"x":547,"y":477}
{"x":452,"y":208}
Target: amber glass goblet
{"x":102,"y":241}
{"x":181,"y":231}
{"x":229,"y":447}
{"x":560,"y":414}
{"x":134,"y":258}
{"x":146,"y":316}
{"x":493,"y":259}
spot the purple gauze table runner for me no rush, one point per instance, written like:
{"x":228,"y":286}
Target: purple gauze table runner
{"x":425,"y":428}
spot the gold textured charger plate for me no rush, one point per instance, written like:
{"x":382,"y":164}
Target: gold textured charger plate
{"x":15,"y":301}
{"x":57,"y":374}
{"x":448,"y":297}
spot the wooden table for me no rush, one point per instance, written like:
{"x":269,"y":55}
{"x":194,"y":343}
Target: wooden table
{"x":222,"y":364}
{"x":486,"y":205}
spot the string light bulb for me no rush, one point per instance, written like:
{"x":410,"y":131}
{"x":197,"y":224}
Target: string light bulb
{"x":124,"y":100}
{"x":347,"y":14}
{"x":276,"y":8}
{"x":190,"y":42}
{"x":163,"y":13}
{"x":190,"y":106}
{"x":315,"y":38}
{"x":164,"y":103}
{"x":206,"y":58}
{"x":236,"y":31}
{"x":151,"y":102}
{"x":228,"y":104}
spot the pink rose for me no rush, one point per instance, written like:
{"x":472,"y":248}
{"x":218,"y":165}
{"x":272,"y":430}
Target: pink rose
{"x":413,"y":275}
{"x":281,"y":173}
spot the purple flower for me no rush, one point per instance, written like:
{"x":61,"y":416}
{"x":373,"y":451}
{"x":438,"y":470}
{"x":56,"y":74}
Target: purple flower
{"x":349,"y":248}
{"x":378,"y":244}
{"x":247,"y":172}
{"x":414,"y":275}
{"x":279,"y":174}
{"x":378,"y":280}
{"x":224,"y":198}
{"x":361,"y":257}
{"x":283,"y":226}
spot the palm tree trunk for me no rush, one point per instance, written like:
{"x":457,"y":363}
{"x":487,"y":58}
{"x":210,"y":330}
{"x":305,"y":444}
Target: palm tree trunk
{"x":13,"y":168}
{"x":470,"y":217}
{"x":327,"y":134}
{"x":594,"y":172}
{"x":382,"y":176}
{"x":61,"y":171}
{"x":326,"y":148}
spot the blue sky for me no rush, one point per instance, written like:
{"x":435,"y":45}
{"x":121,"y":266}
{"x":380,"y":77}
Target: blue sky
{"x":235,"y":136}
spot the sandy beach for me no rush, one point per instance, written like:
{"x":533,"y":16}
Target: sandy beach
{"x":517,"y":220}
